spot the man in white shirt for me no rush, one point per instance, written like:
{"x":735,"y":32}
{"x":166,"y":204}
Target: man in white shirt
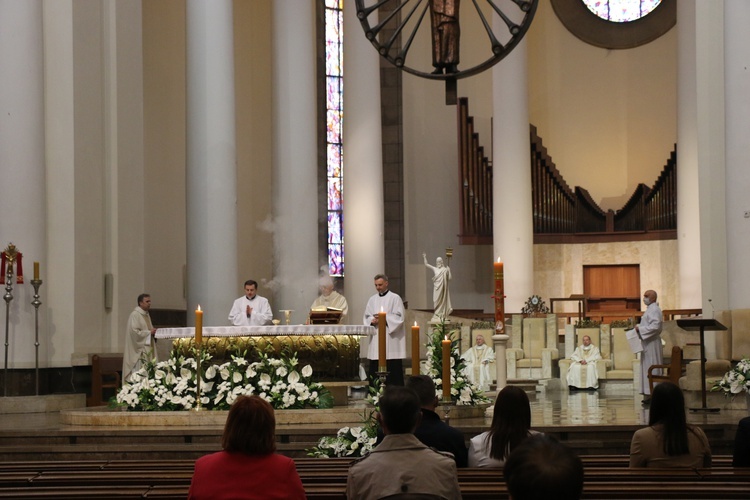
{"x":393,"y":307}
{"x":139,"y":338}
{"x":478,"y":361}
{"x":582,"y":373}
{"x":251,"y":309}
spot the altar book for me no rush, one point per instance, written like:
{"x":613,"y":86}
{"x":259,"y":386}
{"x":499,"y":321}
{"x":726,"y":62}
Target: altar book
{"x":325,"y":315}
{"x":634,"y":341}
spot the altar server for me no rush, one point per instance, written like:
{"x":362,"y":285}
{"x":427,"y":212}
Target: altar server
{"x":393,"y":307}
{"x":251,"y":309}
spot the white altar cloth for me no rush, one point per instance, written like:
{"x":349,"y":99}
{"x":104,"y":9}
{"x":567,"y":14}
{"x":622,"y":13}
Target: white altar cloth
{"x":269,"y":330}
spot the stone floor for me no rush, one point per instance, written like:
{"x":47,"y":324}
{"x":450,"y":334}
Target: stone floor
{"x":592,"y":422}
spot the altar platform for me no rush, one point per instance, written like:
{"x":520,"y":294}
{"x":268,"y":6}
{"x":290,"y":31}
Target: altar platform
{"x":589,"y":422}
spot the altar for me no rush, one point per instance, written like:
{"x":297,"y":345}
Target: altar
{"x":331,"y":350}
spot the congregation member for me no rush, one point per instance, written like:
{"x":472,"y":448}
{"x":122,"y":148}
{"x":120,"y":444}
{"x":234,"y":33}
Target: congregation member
{"x":582,"y":373}
{"x":511,"y":424}
{"x":479,"y":359}
{"x":247,"y":467}
{"x":649,"y":331}
{"x":669,"y":441}
{"x":330,"y":299}
{"x":432,"y":431}
{"x":393,"y":307}
{"x":140,"y":340}
{"x":541,"y":468}
{"x":401,"y":464}
{"x":251,"y":309}
{"x":741,"y":452}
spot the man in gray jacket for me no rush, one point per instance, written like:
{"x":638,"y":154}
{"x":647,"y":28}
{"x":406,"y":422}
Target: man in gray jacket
{"x":401,"y":463}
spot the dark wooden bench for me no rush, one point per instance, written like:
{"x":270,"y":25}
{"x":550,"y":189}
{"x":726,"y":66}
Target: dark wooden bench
{"x":105,"y":374}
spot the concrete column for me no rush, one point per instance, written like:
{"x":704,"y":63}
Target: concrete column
{"x":211,"y":161}
{"x":22,"y":190}
{"x":513,"y":233}
{"x":701,"y":225}
{"x":363,"y":167}
{"x":501,"y":365}
{"x":737,"y":99}
{"x":295,"y":157}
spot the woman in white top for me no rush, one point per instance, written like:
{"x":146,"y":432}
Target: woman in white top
{"x":511,"y":424}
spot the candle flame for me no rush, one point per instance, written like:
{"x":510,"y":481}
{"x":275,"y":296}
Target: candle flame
{"x":381,"y":308}
{"x":499,"y":260}
{"x":446,"y":337}
{"x":199,"y":307}
{"x":415,"y":323}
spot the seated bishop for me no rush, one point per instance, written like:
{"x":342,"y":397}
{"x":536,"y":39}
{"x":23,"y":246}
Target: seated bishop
{"x":582,"y":373}
{"x":478,"y":361}
{"x":329,"y":299}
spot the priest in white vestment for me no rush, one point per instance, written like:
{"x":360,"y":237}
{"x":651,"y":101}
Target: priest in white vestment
{"x":251,"y":309}
{"x":478,"y":361}
{"x":395,"y":346}
{"x":139,"y":338}
{"x":649,"y":331}
{"x":330,"y":299}
{"x":582,"y":373}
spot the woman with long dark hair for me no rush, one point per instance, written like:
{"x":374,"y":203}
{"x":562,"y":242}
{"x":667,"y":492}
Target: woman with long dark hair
{"x":247,"y":468}
{"x":669,"y":441}
{"x":511,"y":423}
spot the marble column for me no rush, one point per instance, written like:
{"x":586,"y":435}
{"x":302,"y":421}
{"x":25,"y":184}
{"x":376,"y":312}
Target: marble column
{"x":501,"y":364}
{"x":363,"y":167}
{"x":211,"y":161}
{"x":22,"y":190}
{"x":295,"y":157}
{"x":513,"y":233}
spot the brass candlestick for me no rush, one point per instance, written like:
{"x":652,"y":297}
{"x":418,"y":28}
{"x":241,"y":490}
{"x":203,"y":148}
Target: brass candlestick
{"x":36,"y":303}
{"x":8,"y":298}
{"x":199,"y":375}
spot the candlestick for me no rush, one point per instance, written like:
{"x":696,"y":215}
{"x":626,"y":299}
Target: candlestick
{"x":499,"y":297}
{"x":198,"y":325}
{"x":415,"y":349}
{"x":446,"y":344}
{"x":36,"y":271}
{"x":381,"y":342}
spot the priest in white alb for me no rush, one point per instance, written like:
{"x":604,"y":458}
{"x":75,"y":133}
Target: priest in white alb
{"x":330,"y":299}
{"x":478,"y":360}
{"x":582,"y":373}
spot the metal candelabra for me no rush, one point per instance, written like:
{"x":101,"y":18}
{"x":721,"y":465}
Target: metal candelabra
{"x":8,"y":298}
{"x":199,"y":375}
{"x":36,"y":303}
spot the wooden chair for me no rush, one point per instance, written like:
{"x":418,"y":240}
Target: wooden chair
{"x":105,"y":374}
{"x":674,"y":370}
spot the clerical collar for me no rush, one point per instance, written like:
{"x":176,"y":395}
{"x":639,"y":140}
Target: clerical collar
{"x":253,"y":298}
{"x":384,"y":293}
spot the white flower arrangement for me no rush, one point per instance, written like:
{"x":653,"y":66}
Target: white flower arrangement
{"x":463,"y":392}
{"x":171,"y":385}
{"x":348,"y":442}
{"x":736,"y":380}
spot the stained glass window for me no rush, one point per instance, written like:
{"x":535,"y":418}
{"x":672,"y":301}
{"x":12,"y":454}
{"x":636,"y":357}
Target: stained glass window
{"x":334,"y":22}
{"x":621,"y":11}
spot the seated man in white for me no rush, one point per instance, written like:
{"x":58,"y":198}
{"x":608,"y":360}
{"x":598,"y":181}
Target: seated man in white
{"x":478,"y":361}
{"x":582,"y":372}
{"x":330,"y":299}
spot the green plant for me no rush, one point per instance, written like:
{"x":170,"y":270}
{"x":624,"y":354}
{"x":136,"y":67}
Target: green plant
{"x":621,"y":323}
{"x":587,"y":323}
{"x":483,"y":325}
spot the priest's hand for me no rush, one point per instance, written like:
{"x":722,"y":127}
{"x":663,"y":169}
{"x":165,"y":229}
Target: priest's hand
{"x":248,"y":311}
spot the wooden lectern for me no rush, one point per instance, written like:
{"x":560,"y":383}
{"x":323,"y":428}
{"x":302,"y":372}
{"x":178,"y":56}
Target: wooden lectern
{"x":701,"y":325}
{"x":329,"y":316}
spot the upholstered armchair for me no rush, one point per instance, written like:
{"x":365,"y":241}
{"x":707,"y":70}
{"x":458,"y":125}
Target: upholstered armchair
{"x":533,"y":352}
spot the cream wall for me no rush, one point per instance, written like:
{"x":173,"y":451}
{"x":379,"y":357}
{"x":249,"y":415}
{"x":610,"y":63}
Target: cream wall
{"x":558,"y":269}
{"x":607,"y":117}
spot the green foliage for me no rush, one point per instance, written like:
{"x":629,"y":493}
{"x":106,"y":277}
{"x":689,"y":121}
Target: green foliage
{"x":587,"y":323}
